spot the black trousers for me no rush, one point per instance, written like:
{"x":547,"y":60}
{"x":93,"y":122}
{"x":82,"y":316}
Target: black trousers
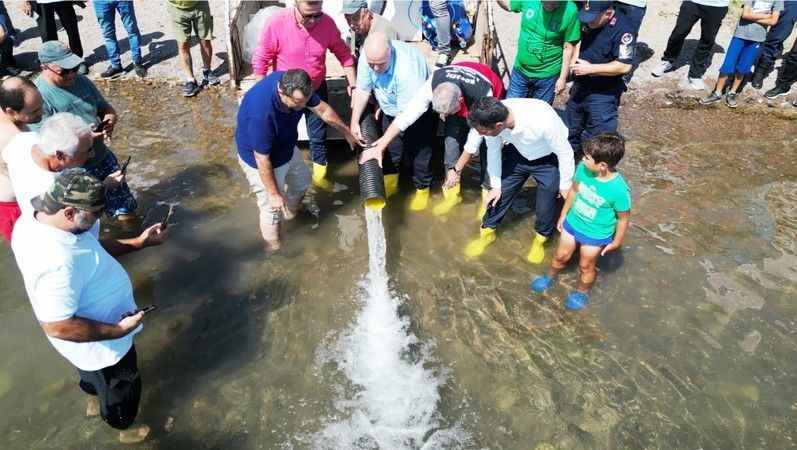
{"x":456,"y":131}
{"x":118,"y":388}
{"x":414,"y":144}
{"x":788,"y":72}
{"x":710,"y":18}
{"x":68,"y":18}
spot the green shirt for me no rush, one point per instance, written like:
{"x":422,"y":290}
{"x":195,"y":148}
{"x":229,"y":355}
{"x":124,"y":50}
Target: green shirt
{"x":595,"y":208}
{"x":543,"y":35}
{"x":184,"y":4}
{"x":81,"y":99}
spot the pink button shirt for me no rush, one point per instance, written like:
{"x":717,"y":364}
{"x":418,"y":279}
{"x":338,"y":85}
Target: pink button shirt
{"x":284,"y":44}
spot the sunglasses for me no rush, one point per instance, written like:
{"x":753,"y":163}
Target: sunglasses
{"x":310,"y":17}
{"x":61,"y":71}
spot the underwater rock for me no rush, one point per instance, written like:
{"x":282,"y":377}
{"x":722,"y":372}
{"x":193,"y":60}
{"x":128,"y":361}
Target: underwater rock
{"x":750,"y":342}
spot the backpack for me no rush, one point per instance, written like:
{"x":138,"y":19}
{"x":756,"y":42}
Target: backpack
{"x":461,"y":28}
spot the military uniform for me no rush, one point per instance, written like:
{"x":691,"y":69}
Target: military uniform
{"x":594,"y":100}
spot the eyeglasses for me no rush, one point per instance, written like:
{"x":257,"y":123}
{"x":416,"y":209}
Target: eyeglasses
{"x":310,"y":17}
{"x":61,"y":71}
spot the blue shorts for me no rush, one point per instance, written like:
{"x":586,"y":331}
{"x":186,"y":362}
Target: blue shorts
{"x":582,"y":238}
{"x":740,"y":57}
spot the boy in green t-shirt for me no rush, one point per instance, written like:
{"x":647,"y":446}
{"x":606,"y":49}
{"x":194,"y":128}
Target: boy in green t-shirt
{"x":595,"y":216}
{"x":549,"y":32}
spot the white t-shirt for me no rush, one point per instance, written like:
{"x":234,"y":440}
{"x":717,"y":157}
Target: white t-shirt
{"x":538,"y":132}
{"x":28,"y":179}
{"x":68,"y":275}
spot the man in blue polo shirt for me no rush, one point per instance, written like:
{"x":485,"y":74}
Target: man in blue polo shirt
{"x":266,"y":139}
{"x":606,"y":54}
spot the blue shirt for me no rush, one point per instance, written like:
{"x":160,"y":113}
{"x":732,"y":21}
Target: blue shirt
{"x":404,"y":77}
{"x":266,"y":125}
{"x":614,"y":41}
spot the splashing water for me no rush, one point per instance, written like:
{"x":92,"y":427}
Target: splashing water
{"x":395,"y":404}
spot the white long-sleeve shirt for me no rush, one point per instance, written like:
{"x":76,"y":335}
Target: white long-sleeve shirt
{"x":538,"y":132}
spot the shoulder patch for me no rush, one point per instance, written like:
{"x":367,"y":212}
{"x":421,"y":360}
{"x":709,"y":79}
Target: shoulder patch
{"x":627,"y":38}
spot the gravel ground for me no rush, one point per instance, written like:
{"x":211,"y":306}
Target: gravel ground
{"x":160,"y":51}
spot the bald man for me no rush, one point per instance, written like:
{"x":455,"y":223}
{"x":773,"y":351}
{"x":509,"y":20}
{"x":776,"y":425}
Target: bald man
{"x":20,"y":104}
{"x":394,"y":71}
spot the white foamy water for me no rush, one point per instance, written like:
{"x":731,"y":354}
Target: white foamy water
{"x":394,"y":405}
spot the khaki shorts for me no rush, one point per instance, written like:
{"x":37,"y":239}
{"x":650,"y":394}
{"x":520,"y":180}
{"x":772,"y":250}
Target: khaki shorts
{"x":187,"y":21}
{"x":293,"y":179}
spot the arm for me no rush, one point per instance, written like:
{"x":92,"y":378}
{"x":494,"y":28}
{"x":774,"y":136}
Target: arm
{"x":343,"y":54}
{"x":619,"y":233}
{"x":771,"y":21}
{"x":359,"y":101}
{"x":749,"y":14}
{"x":266,"y":171}
{"x":454,"y":174}
{"x":107,"y":114}
{"x":152,"y":236}
{"x":414,"y":110}
{"x":571,"y":196}
{"x":610,"y":69}
{"x":330,"y":117}
{"x":266,"y":50}
{"x":78,"y":329}
{"x":351,"y":78}
{"x":494,"y":145}
{"x":557,"y":140}
{"x":567,"y":55}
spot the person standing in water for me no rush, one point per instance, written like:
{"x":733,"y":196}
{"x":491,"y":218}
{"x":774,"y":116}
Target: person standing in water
{"x":595,"y":216}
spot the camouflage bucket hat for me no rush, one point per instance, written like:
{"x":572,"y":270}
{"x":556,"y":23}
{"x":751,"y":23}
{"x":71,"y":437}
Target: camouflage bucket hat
{"x":72,"y":187}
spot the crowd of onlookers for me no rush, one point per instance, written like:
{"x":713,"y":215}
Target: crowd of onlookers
{"x":58,"y":173}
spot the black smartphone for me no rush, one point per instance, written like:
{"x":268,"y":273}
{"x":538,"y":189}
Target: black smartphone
{"x":124,"y":166}
{"x":165,"y":221}
{"x":145,"y":310}
{"x":99,"y":127}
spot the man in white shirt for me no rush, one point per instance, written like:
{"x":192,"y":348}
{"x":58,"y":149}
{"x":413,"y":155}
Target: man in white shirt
{"x":538,"y":147}
{"x":79,"y":292}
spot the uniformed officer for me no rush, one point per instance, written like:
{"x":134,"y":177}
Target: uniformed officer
{"x":605,"y":55}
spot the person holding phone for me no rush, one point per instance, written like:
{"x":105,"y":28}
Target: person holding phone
{"x":80,"y":292}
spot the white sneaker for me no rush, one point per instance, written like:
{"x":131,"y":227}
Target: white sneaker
{"x":664,"y":66}
{"x":696,"y":84}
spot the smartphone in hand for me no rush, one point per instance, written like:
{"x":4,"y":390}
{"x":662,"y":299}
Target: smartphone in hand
{"x":124,"y":166}
{"x":138,"y":310}
{"x":165,"y":221}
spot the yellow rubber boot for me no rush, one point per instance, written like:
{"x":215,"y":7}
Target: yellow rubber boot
{"x":451,"y":198}
{"x":319,"y":177}
{"x":420,"y":200}
{"x":477,"y":246}
{"x":391,"y":184}
{"x":482,"y":210}
{"x":537,"y":251}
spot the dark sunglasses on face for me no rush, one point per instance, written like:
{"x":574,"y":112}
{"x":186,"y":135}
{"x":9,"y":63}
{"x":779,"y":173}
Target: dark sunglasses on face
{"x":313,"y":16}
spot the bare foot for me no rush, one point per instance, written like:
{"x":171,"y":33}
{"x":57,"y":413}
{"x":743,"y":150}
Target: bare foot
{"x":92,"y":407}
{"x":272,"y":247}
{"x":134,"y":435}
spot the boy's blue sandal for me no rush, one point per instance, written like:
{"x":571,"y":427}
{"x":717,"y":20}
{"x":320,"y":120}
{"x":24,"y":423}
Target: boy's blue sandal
{"x":576,"y":300}
{"x":541,"y":284}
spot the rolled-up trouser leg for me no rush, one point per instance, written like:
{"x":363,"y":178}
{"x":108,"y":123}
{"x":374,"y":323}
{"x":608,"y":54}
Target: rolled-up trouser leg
{"x":297,"y":179}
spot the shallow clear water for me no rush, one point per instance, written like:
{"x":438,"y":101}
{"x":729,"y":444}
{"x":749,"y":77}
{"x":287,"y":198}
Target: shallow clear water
{"x":689,"y":340}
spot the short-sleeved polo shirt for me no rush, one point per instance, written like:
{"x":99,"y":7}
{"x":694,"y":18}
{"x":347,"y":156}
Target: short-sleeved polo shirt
{"x":395,"y":87}
{"x":614,"y":41}
{"x":266,"y":125}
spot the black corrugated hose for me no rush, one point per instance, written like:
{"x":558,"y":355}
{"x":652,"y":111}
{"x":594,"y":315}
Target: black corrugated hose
{"x":372,"y":184}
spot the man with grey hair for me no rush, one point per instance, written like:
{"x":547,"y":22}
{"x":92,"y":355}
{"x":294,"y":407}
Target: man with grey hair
{"x":362,"y":22}
{"x":34,"y":159}
{"x":20,"y":105}
{"x":451,"y":91}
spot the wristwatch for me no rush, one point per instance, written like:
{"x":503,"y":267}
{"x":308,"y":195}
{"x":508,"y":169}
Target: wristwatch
{"x":457,"y":171}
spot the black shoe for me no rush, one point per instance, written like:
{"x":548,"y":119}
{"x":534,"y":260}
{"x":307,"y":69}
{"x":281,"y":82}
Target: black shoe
{"x":758,"y":80}
{"x":208,"y":79}
{"x":190,"y":89}
{"x":112,"y":72}
{"x":778,"y":91}
{"x":140,"y":70}
{"x":83,"y":69}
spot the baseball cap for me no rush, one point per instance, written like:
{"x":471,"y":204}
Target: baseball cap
{"x":72,"y":187}
{"x":55,"y":52}
{"x":593,"y":10}
{"x":353,"y":6}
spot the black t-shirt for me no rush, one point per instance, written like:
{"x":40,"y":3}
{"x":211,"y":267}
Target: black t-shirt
{"x":472,"y":84}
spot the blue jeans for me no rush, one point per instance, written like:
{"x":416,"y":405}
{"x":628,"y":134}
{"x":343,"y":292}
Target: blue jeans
{"x":589,"y":114}
{"x":521,"y":86}
{"x":106,"y":16}
{"x":119,"y":200}
{"x":6,"y":47}
{"x":772,"y":48}
{"x":317,"y":130}
{"x":515,"y":170}
{"x":739,"y":57}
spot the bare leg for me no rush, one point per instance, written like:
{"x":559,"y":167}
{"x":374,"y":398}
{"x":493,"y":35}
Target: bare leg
{"x":567,"y":245}
{"x":586,"y":265}
{"x":186,"y":64}
{"x":269,"y":230}
{"x":721,"y":83}
{"x":206,"y":48}
{"x":737,"y":81}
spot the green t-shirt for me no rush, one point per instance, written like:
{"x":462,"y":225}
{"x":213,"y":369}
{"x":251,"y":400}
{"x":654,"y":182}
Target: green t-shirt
{"x":595,"y":208}
{"x":543,"y":35}
{"x":184,"y":4}
{"x":81,"y":99}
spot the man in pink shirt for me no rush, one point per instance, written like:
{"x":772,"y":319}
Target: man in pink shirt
{"x":298,"y":38}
